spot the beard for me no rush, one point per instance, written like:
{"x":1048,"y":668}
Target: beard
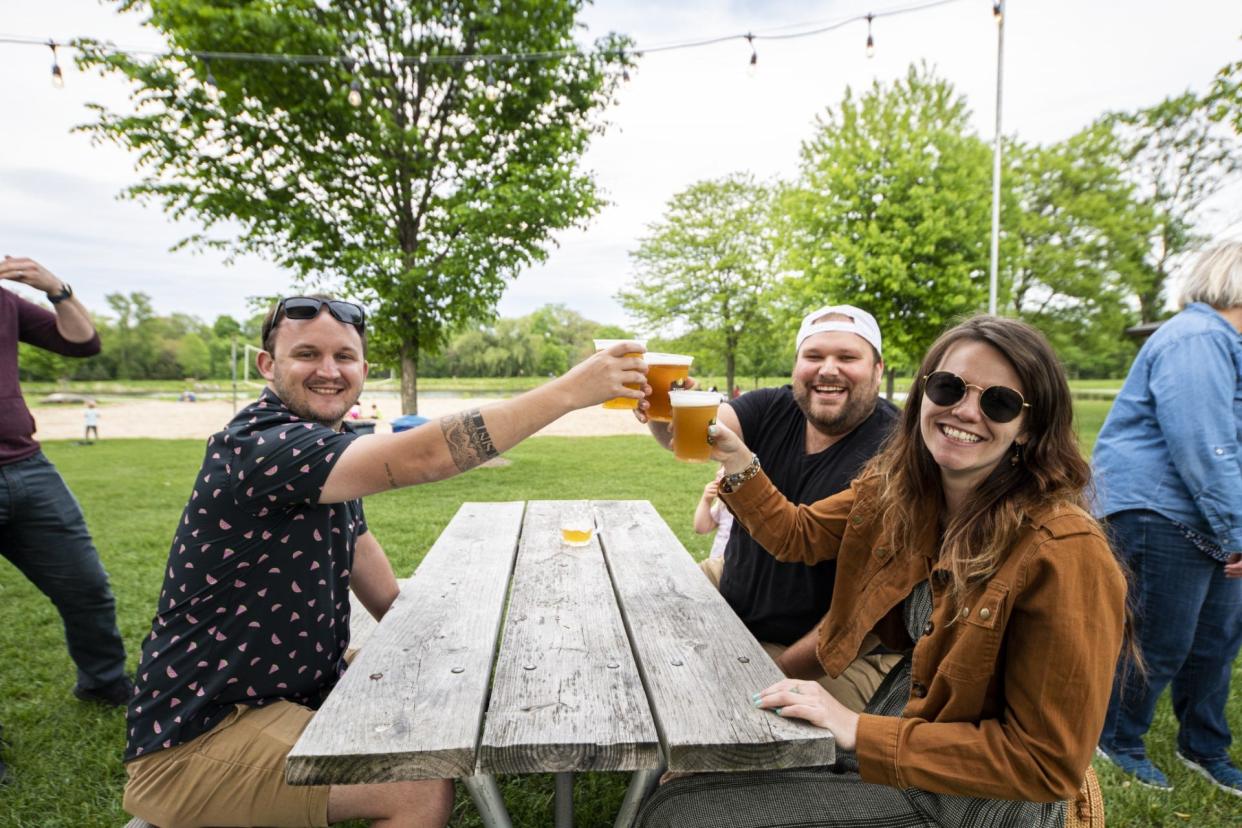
{"x":296,"y":398}
{"x":859,"y":403}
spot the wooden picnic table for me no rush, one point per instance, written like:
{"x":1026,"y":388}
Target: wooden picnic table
{"x":615,"y":656}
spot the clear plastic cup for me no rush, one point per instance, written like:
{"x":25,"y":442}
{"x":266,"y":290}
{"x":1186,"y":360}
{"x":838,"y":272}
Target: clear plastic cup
{"x":693,"y":412}
{"x":664,"y":373}
{"x":577,"y":527}
{"x":621,"y":403}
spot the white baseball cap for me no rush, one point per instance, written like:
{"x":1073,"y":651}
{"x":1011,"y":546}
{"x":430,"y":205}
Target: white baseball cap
{"x":858,"y":321}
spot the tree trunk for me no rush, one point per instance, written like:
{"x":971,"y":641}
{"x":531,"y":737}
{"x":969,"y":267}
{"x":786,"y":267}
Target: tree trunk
{"x":890,"y":374}
{"x":409,"y":377}
{"x":730,"y":365}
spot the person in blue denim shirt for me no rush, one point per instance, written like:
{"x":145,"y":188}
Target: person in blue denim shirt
{"x":1168,"y":476}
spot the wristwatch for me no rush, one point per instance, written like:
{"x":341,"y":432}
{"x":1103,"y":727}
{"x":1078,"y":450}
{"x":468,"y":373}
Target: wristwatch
{"x":65,"y":293}
{"x":730,"y":482}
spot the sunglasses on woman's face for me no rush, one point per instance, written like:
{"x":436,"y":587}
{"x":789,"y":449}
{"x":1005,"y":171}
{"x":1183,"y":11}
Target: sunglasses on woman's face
{"x":998,"y":403}
{"x":308,"y":307}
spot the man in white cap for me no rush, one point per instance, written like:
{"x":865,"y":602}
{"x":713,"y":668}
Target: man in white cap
{"x":812,"y":436}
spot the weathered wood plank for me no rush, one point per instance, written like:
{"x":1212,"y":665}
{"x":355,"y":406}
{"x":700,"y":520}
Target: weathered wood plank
{"x":361,"y":623}
{"x":410,"y":705}
{"x":698,"y":661}
{"x":566,"y":695}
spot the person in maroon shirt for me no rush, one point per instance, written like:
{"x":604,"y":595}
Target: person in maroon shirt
{"x":42,"y":531}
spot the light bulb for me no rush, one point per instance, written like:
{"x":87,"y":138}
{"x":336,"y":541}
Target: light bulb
{"x":355,"y":94}
{"x":870,"y":47}
{"x":58,"y":79}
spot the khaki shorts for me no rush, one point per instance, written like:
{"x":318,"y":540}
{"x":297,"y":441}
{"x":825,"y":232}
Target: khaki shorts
{"x":856,"y":684}
{"x":232,"y":775}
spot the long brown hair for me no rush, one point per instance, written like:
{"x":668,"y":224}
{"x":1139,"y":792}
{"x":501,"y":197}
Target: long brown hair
{"x":1049,"y":469}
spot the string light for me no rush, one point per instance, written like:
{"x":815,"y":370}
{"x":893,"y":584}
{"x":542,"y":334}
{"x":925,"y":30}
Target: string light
{"x":58,"y":78}
{"x":354,"y":96}
{"x":509,"y":58}
{"x":998,"y":11}
{"x":213,"y":91}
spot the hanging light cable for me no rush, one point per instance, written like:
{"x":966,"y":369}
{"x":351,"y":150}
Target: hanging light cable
{"x":754,"y":56}
{"x":870,"y":39}
{"x":58,"y":77}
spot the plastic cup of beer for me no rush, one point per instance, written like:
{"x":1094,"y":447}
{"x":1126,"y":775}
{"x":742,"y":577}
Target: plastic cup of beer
{"x":693,"y":412}
{"x":577,"y":527}
{"x":621,"y":403}
{"x":663,"y":372}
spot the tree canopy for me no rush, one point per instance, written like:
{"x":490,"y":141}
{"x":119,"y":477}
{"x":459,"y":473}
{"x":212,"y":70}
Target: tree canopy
{"x":447,"y":178}
{"x":891,"y":211}
{"x":710,"y":264}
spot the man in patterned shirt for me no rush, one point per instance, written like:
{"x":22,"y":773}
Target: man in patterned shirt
{"x":253,"y":619}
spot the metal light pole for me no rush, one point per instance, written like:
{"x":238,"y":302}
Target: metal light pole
{"x":998,"y":10}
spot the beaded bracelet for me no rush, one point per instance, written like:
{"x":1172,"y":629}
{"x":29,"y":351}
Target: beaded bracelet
{"x":730,"y":482}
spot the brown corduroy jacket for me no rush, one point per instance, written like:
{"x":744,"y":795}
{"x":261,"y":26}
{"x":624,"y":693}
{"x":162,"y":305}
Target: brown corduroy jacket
{"x":1008,"y":694}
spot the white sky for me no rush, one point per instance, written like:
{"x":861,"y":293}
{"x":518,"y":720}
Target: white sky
{"x":685,"y":116}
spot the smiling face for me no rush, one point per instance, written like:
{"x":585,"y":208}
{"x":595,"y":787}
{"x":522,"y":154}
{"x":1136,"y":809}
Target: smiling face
{"x":836,"y":381}
{"x":965,"y":444}
{"x":317,"y":368}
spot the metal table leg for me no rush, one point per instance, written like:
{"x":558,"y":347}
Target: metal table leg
{"x":564,"y":807}
{"x":487,"y":799}
{"x":642,"y":783}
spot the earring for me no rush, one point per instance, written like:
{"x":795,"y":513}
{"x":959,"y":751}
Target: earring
{"x":1016,"y":458}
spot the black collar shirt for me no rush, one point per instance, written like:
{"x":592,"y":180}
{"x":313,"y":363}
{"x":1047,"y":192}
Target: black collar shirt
{"x":255,"y":602}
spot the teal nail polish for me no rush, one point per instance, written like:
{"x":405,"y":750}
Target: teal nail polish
{"x":778,"y":710}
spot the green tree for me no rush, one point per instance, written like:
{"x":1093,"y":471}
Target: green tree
{"x":193,"y":356}
{"x":709,"y":265}
{"x":1075,"y":242}
{"x":133,"y":334}
{"x":892,"y":210}
{"x":448,"y":179}
{"x":1179,"y":158}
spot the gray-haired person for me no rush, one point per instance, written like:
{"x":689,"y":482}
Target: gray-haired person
{"x":1168,"y":468}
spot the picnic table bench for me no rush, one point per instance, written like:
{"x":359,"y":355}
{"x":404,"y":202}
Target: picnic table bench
{"x":615,"y":656}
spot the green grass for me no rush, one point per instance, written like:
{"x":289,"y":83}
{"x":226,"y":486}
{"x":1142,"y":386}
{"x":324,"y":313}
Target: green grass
{"x":65,"y":756}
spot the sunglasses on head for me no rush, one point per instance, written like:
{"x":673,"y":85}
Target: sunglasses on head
{"x":308,"y":307}
{"x":998,"y":403}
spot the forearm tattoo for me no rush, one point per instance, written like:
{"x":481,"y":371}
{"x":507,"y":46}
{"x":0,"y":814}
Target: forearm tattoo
{"x":467,"y":438}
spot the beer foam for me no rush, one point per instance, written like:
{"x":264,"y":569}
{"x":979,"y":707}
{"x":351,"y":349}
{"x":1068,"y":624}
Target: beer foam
{"x":694,"y":399}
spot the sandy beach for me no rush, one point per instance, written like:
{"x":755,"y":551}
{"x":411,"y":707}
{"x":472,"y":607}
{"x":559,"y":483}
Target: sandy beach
{"x":167,"y":420}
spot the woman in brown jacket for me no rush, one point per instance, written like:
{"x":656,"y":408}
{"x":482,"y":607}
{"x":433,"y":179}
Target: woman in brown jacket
{"x":965,"y":544}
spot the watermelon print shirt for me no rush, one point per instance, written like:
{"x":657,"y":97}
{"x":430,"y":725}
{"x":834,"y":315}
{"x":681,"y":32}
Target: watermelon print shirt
{"x":255,"y":603}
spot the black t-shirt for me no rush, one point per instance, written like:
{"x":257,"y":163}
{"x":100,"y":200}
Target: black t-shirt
{"x":781,"y":602}
{"x":255,"y":603}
